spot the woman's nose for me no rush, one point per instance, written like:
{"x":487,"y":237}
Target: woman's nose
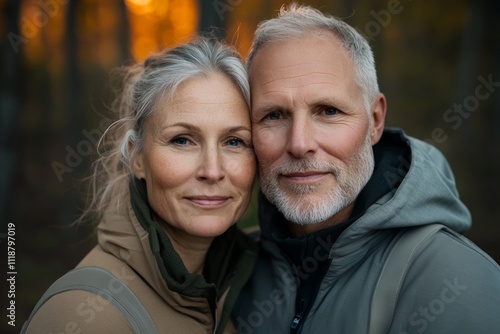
{"x":211,"y":167}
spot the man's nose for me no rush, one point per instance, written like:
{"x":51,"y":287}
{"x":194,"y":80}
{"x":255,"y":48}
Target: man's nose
{"x":301,"y":137}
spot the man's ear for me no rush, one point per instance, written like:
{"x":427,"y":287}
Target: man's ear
{"x":378,"y":111}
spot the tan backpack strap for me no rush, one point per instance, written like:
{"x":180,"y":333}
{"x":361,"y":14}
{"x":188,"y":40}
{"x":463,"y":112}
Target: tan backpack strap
{"x":98,"y":280}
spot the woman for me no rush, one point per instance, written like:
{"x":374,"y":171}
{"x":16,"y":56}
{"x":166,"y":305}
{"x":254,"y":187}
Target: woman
{"x":176,"y":177}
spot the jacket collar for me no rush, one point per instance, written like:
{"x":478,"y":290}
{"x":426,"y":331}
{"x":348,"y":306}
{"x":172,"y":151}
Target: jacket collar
{"x":171,"y":267}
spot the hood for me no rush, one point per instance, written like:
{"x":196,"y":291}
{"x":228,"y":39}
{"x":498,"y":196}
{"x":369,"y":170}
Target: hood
{"x":425,"y":194}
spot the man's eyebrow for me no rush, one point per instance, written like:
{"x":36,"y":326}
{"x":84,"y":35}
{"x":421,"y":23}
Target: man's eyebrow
{"x":330,"y":101}
{"x":264,"y":109}
{"x":326,"y":101}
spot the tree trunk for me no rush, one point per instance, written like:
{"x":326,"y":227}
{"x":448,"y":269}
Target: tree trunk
{"x":214,"y":16}
{"x":124,"y":33}
{"x":9,"y":105}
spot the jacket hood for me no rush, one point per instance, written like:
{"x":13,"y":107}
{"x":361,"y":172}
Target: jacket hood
{"x":426,"y":193}
{"x":422,"y":192}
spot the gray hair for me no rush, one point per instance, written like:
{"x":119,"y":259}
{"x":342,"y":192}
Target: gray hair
{"x":144,"y":86}
{"x":299,"y":21}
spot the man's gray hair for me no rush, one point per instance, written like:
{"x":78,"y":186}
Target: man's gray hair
{"x":299,"y":21}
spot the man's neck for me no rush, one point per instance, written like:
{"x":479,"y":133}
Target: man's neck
{"x":298,"y":230}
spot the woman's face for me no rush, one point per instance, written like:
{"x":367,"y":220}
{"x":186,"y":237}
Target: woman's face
{"x":197,"y":159}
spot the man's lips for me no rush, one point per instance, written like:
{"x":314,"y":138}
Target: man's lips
{"x":305,"y":177}
{"x":208,"y":201}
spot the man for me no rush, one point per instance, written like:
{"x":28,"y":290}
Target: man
{"x":339,"y":191}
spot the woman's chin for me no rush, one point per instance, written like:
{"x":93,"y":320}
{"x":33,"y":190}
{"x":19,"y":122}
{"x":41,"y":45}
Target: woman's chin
{"x":210,"y":229}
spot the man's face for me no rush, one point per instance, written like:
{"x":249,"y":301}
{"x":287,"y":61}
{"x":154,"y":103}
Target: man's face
{"x":311,"y":133}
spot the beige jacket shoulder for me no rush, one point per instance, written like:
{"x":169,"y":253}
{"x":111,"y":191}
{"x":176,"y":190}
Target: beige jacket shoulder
{"x":124,"y":250}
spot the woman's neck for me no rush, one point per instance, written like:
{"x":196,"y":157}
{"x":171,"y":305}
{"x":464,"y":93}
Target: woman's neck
{"x":192,"y":249}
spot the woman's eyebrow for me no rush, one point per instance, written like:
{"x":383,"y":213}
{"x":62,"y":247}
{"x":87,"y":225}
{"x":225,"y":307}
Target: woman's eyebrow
{"x":192,"y":127}
{"x":182,"y":125}
{"x":237,"y":128}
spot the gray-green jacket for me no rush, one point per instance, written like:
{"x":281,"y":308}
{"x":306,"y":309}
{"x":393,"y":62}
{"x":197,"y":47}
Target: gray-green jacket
{"x":451,"y":286}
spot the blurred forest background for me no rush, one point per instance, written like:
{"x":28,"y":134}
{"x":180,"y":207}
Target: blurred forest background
{"x":438,"y":64}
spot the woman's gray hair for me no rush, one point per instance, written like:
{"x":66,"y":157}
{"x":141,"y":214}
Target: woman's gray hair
{"x":144,"y":86}
{"x":299,"y":21}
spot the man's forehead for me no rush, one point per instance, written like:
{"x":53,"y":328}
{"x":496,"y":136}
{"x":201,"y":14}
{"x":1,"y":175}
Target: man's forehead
{"x":296,"y":60}
{"x":312,"y":43}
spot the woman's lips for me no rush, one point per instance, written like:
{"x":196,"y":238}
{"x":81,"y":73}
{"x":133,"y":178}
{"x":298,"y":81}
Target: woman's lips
{"x":210,"y":202}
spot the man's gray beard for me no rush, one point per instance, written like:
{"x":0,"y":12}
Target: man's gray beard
{"x":294,"y":203}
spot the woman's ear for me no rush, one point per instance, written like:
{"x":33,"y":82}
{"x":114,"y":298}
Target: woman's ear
{"x":379,"y":109}
{"x":139,"y":167}
{"x":137,"y":163}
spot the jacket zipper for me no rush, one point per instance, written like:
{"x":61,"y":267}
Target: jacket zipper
{"x":296,"y":325}
{"x":216,"y":324}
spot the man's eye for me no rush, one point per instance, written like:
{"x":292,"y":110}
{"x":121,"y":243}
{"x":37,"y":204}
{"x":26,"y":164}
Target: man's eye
{"x":273,"y":115}
{"x":329,"y":111}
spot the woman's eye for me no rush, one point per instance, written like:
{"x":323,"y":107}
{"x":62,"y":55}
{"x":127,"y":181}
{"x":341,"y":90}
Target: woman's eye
{"x":235,"y":142}
{"x":329,"y":111}
{"x":180,"y":141}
